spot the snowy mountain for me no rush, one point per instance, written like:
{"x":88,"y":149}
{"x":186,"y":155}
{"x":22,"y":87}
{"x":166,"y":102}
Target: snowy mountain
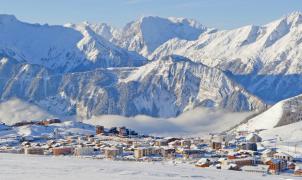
{"x":93,"y":69}
{"x":164,"y":88}
{"x":147,"y":33}
{"x":266,"y":60}
{"x":60,"y":48}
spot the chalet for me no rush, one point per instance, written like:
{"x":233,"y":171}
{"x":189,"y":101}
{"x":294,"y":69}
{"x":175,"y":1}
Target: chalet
{"x":268,"y":153}
{"x":192,"y":153}
{"x":216,"y":145}
{"x":111,"y":152}
{"x":84,"y":151}
{"x":99,"y":130}
{"x":168,"y":152}
{"x":161,"y":142}
{"x":242,"y":133}
{"x":34,"y":150}
{"x":254,"y":138}
{"x":263,"y":169}
{"x":62,"y":151}
{"x":240,"y":162}
{"x":298,"y":171}
{"x":284,"y":156}
{"x":171,"y":139}
{"x":276,"y":165}
{"x":185,"y":143}
{"x":203,"y":162}
{"x":174,"y":144}
{"x":291,"y":165}
{"x":248,"y":146}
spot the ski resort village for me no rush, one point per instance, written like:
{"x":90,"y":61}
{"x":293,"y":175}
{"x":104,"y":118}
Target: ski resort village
{"x":234,"y":150}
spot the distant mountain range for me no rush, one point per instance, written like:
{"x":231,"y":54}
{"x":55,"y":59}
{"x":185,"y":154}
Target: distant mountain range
{"x":155,"y":66}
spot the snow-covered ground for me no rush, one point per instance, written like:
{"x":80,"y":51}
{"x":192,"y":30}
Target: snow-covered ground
{"x":13,"y":166}
{"x":286,"y":138}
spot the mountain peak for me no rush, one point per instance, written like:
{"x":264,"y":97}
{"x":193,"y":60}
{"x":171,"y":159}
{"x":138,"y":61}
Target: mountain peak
{"x":149,"y":32}
{"x":148,"y":18}
{"x":5,"y":18}
{"x":295,"y":17}
{"x":175,"y":20}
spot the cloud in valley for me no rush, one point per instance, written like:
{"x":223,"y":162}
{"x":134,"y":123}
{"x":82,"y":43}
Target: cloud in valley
{"x":15,"y":110}
{"x":196,"y":122}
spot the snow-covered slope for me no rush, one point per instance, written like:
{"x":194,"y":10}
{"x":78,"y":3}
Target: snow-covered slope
{"x":147,"y":33}
{"x":176,"y":83}
{"x":164,"y":88}
{"x":60,"y":48}
{"x":290,"y":133}
{"x":82,"y":68}
{"x":283,"y":113}
{"x":106,"y":31}
{"x":266,"y":60}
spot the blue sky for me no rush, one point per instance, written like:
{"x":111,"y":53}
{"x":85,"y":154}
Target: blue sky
{"x":224,"y":14}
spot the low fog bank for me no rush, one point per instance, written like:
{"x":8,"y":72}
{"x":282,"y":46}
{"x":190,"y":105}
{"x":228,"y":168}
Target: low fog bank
{"x":15,"y":110}
{"x":197,"y":122}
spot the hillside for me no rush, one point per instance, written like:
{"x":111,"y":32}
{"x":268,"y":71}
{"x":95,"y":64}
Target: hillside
{"x":266,"y":60}
{"x":283,"y":113}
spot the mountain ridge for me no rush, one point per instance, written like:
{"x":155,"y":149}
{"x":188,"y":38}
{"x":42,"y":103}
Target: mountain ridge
{"x":90,"y":72}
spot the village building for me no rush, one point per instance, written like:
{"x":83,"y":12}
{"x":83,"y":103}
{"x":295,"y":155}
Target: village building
{"x":284,"y":156}
{"x":291,"y":165}
{"x":185,"y":143}
{"x":268,"y":153}
{"x":216,"y":145}
{"x":111,"y":152}
{"x":253,"y":138}
{"x":122,"y":131}
{"x":174,"y":144}
{"x":203,"y":162}
{"x":298,"y":171}
{"x":276,"y":165}
{"x":192,"y":153}
{"x":263,"y":169}
{"x":161,"y":142}
{"x":248,"y":146}
{"x":171,"y":139}
{"x":242,"y":133}
{"x":62,"y":151}
{"x":143,"y":151}
{"x":48,"y":122}
{"x":84,"y":151}
{"x":233,"y":167}
{"x":240,"y":162}
{"x":168,"y":152}
{"x":100,"y":129}
{"x":34,"y":150}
